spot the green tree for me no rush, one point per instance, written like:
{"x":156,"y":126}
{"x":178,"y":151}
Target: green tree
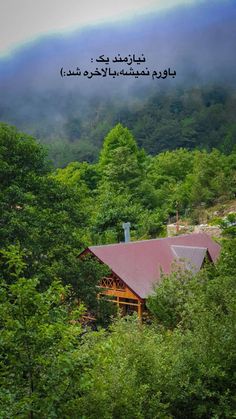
{"x":39,"y":341}
{"x":120,"y":160}
{"x":201,"y":310}
{"x":47,"y":215}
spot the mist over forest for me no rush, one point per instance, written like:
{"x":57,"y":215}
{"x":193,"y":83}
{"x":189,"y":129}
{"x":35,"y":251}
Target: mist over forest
{"x":73,"y":115}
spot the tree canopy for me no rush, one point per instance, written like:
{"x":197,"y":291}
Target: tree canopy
{"x":52,"y":364}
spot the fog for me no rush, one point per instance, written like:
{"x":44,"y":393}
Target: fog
{"x":198,"y":42}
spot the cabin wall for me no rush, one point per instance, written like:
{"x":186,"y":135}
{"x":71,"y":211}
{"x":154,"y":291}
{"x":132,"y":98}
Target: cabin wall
{"x":119,"y":293}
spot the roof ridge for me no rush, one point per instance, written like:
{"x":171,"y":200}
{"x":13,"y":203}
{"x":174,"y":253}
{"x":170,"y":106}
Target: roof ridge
{"x":149,"y":240}
{"x":195,"y":247}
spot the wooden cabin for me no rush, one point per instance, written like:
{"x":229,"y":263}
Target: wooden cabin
{"x":136,"y":267}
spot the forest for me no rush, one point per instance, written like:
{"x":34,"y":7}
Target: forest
{"x":200,"y":117}
{"x":181,"y":363}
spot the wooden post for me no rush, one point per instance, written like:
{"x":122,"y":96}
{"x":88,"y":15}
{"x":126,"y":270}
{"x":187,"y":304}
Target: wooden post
{"x":139,"y":310}
{"x":177,"y":216}
{"x":177,"y":221}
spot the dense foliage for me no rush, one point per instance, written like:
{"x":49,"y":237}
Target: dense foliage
{"x":54,"y":215}
{"x":47,"y":218}
{"x":197,"y":117}
{"x":128,"y":185}
{"x":179,"y":366}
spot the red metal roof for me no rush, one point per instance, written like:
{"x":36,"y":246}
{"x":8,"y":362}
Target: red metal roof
{"x":139,"y":263}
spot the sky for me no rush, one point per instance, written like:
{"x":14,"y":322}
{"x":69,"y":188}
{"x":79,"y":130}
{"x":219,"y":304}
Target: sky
{"x":22,"y":21}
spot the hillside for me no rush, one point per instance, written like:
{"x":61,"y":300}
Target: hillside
{"x":73,"y":116}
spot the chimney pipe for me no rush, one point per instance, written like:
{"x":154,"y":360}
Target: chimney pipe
{"x":126,"y":227}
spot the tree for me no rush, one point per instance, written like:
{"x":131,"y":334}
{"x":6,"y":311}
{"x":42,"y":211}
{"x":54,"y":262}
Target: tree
{"x":120,"y":160}
{"x":38,"y":346}
{"x":201,"y":309}
{"x":47,"y":215}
